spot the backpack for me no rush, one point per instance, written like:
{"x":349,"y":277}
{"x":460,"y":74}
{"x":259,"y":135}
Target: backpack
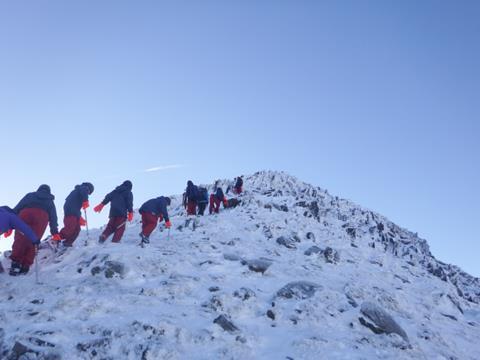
{"x":202,"y":195}
{"x":233,"y":203}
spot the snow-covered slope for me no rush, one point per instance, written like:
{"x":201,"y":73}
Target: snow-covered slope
{"x":291,"y":273}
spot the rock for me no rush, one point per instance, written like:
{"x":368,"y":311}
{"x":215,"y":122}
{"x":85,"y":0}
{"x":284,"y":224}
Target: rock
{"x":232,"y":257}
{"x":311,"y":236}
{"x":213,"y":288}
{"x":225,"y":324}
{"x":94,"y":346}
{"x":244,"y":293}
{"x":114,"y":268}
{"x":19,"y":349}
{"x":271,"y":314}
{"x":280,"y":207}
{"x":39,"y":342}
{"x":351,"y":232}
{"x":379,"y":321}
{"x":288,"y":243}
{"x":312,"y":250}
{"x":331,"y":256}
{"x":110,"y":269}
{"x":214,"y":304}
{"x":298,"y":290}
{"x":259,"y":265}
{"x":96,"y":270}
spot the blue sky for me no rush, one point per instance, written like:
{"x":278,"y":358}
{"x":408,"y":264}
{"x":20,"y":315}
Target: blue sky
{"x":377,"y":101}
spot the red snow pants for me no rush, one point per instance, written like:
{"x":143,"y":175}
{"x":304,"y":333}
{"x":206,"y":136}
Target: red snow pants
{"x":149,"y":223}
{"x":71,"y":229}
{"x":116,"y":226}
{"x":214,"y":204}
{"x":23,"y":251}
{"x":191,"y":208}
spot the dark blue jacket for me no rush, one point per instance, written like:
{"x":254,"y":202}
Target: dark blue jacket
{"x":41,"y":199}
{"x":157,"y":207}
{"x":74,"y":201}
{"x":120,"y":199}
{"x":239,"y":182}
{"x":219,"y":194}
{"x":202,"y":195}
{"x":191,"y":192}
{"x":10,"y":220}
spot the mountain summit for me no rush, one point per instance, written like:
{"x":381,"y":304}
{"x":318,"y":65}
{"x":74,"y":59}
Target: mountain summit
{"x":291,"y":273}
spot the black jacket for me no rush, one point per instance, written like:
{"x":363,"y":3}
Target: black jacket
{"x":191,"y":192}
{"x":120,"y":199}
{"x":157,"y":207}
{"x":41,"y":199}
{"x":74,"y":201}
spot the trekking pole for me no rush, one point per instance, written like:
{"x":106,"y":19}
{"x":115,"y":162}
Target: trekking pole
{"x":122,"y":224}
{"x":86,"y":220}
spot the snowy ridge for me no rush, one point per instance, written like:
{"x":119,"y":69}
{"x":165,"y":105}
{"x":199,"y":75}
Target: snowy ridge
{"x":291,"y":273}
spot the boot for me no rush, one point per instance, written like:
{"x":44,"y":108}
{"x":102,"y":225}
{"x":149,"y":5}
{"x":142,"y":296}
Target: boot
{"x":15,"y":269}
{"x":101,"y":239}
{"x":145,"y":239}
{"x":24,"y":270}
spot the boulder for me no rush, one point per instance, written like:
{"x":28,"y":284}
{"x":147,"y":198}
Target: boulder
{"x":244,"y":293}
{"x":289,"y":243}
{"x":113,"y":268}
{"x":298,"y":290}
{"x":312,"y":250}
{"x":259,"y":265}
{"x":232,"y":257}
{"x":331,"y":256}
{"x":379,"y":321}
{"x":225,"y":324}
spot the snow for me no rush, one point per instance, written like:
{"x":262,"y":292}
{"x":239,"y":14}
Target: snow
{"x":164,"y":304}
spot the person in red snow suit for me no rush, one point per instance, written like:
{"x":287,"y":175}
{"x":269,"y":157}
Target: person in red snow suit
{"x":73,"y":220}
{"x":121,"y":209}
{"x":153,"y":211}
{"x":9,"y":221}
{"x":191,"y":198}
{"x":216,"y":199}
{"x":238,"y":188}
{"x":37,"y":210}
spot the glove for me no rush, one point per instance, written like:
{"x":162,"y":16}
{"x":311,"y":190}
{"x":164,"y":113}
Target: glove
{"x":82,"y":221}
{"x":85,"y":205}
{"x":8,"y":233}
{"x":168,"y":224}
{"x":98,"y":208}
{"x":130,"y":216}
{"x":225,"y":202}
{"x":56,"y":237}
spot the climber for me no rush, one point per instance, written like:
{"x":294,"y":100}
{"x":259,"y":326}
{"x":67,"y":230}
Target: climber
{"x":215,"y":200}
{"x":191,"y":197}
{"x":121,"y":210}
{"x":9,"y":221}
{"x":73,"y":220}
{"x":153,"y":211}
{"x":36,"y":209}
{"x":202,"y":200}
{"x":238,"y":188}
